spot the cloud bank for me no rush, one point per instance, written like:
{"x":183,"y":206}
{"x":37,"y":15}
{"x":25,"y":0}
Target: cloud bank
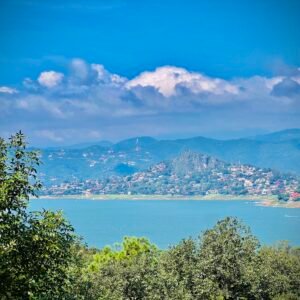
{"x":87,"y":102}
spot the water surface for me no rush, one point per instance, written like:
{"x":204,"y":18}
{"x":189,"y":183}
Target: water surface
{"x":167,"y":222}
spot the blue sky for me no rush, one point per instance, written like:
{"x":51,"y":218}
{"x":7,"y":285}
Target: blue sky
{"x":235,"y":64}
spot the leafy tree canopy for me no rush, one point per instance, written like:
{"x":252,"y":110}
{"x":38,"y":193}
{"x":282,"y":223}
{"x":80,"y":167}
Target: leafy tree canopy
{"x":35,"y":247}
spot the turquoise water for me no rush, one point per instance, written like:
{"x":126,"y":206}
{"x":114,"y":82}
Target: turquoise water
{"x":167,"y":222}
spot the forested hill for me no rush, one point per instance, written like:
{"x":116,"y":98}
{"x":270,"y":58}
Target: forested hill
{"x":190,"y":174}
{"x":279,"y":151}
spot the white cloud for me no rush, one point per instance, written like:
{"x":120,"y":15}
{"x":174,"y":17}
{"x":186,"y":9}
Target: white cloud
{"x":90,"y":98}
{"x":100,"y":70}
{"x":7,"y":90}
{"x":166,"y":79}
{"x":50,"y":79}
{"x":102,"y":75}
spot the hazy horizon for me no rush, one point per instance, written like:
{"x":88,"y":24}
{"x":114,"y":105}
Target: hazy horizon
{"x":234,"y":136}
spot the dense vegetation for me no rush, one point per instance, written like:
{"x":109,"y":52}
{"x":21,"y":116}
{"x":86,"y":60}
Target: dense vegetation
{"x":35,"y":248}
{"x":41,"y":258}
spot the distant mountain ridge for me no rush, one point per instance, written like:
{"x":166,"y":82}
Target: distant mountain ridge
{"x":280,"y":136}
{"x":279,"y":151}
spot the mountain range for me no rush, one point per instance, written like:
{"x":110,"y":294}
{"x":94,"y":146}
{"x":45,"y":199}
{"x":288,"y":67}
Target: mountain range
{"x":279,"y":151}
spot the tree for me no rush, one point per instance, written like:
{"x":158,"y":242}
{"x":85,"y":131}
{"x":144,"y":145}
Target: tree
{"x":127,"y":271}
{"x":277,"y":273}
{"x":226,"y":254}
{"x":35,"y":247}
{"x":128,"y":249}
{"x":283,"y":197}
{"x":178,"y":270}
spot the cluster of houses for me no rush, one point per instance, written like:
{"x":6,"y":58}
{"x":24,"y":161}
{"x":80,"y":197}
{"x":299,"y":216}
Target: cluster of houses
{"x":163,"y":180}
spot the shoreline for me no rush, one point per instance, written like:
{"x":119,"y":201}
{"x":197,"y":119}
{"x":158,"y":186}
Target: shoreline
{"x":261,"y":200}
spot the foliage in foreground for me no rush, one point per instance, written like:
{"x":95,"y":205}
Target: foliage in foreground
{"x":35,"y":248}
{"x":226,"y":262}
{"x":40,"y":257}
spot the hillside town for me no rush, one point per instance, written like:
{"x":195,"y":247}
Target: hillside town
{"x":189,"y":174}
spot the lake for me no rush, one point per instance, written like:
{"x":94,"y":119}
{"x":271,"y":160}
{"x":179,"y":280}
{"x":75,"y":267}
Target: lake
{"x":167,"y":222}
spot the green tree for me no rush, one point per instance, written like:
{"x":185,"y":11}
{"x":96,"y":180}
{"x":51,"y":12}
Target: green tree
{"x":178,"y":270}
{"x":277,"y":273}
{"x":126,"y":271}
{"x":127,"y":250}
{"x":227,"y":252}
{"x":36,"y":248}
